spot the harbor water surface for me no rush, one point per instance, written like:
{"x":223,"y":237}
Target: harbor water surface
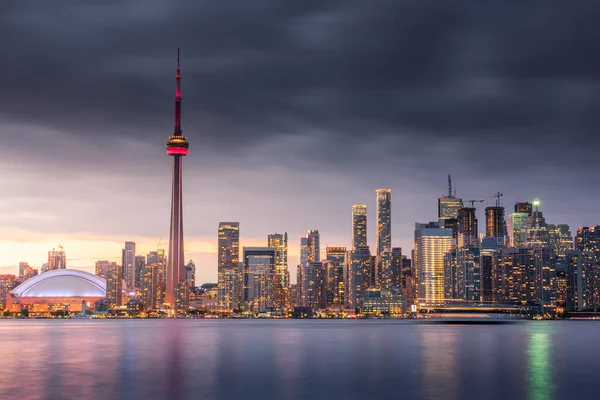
{"x":297,"y":359}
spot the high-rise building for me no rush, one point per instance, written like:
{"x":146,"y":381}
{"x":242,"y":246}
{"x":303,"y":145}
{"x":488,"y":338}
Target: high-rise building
{"x":487,"y":258}
{"x":177,"y":147}
{"x":313,"y":241}
{"x":383,"y":216}
{"x":587,"y":242}
{"x":467,"y":227}
{"x":229,"y":274}
{"x":314,"y":286}
{"x":449,"y":206}
{"x":190,"y":274}
{"x":525,"y":207}
{"x":128,"y":258}
{"x":390,"y":262}
{"x":279,"y":241}
{"x":22,"y":267}
{"x":431,"y":245}
{"x":359,"y":226}
{"x":259,"y":271}
{"x":113,"y":274}
{"x":560,"y":239}
{"x":7,"y":283}
{"x":334,"y":268}
{"x":495,"y":226}
{"x":154,"y":280}
{"x":517,"y":227}
{"x":57,"y":259}
{"x":140,"y":263}
{"x":537,"y":229}
{"x":358,"y":275}
{"x":574,"y":278}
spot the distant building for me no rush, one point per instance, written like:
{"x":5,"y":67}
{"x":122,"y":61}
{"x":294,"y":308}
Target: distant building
{"x":517,"y":227}
{"x":467,"y":227}
{"x":358,"y":274}
{"x":279,"y":241}
{"x":449,"y":206}
{"x":190,"y":274}
{"x":128,"y":258}
{"x":560,"y":239}
{"x":359,"y":226}
{"x":381,"y":302}
{"x":57,"y":259}
{"x":524,"y":207}
{"x":7,"y":283}
{"x":537,"y":229}
{"x":113,"y":275}
{"x":313,"y":241}
{"x":314,"y":286}
{"x":390,"y":262}
{"x":431,"y":245}
{"x":383,"y":216}
{"x":259,"y":272}
{"x":495,"y":225}
{"x":334,"y":265}
{"x":140,"y":264}
{"x":587,"y":242}
{"x":229,"y":274}
{"x":154,"y":280}
{"x":22,"y":267}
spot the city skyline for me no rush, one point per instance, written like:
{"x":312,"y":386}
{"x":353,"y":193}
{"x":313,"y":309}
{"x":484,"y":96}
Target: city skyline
{"x":73,"y":180}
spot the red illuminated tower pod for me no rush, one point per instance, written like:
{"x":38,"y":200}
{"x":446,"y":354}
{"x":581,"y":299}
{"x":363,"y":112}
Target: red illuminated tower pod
{"x":177,"y":147}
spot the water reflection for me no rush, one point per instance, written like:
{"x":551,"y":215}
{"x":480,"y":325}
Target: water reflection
{"x":439,"y":363}
{"x":541,"y":384}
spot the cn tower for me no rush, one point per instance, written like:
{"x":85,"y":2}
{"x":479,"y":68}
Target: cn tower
{"x":177,"y":147}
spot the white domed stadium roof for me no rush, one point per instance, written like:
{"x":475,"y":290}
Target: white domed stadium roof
{"x":62,"y":283}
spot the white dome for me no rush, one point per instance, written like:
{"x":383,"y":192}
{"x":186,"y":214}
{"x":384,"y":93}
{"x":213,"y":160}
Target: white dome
{"x":62,"y":283}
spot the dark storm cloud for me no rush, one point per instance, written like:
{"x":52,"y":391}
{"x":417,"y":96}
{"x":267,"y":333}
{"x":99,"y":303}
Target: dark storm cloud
{"x":416,"y":78}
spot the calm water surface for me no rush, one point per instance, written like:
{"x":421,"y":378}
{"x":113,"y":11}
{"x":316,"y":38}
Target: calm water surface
{"x":286,"y":359}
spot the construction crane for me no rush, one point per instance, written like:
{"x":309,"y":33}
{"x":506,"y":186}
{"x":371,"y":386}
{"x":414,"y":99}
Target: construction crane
{"x":497,"y":196}
{"x":473,"y":202}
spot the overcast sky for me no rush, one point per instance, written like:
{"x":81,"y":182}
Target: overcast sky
{"x":294,"y":112}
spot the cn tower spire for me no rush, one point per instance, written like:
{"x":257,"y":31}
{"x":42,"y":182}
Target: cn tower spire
{"x":177,"y":131}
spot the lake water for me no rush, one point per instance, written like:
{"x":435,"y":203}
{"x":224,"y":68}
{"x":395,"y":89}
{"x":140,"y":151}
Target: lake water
{"x":297,"y":359}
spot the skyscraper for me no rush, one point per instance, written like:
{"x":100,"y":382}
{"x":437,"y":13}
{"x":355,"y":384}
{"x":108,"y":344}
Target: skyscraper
{"x":57,"y":259}
{"x":113,"y":274}
{"x":359,"y":225}
{"x":313,"y":240}
{"x":467,"y":227}
{"x":560,"y":238}
{"x":537,"y":229}
{"x":383,"y":215}
{"x":279,"y":241}
{"x":334,"y":269}
{"x":154,"y":280}
{"x":128,"y":259}
{"x":448,"y":206}
{"x":495,"y":226}
{"x":140,"y":263}
{"x":229,"y":275}
{"x":516,"y":225}
{"x":587,"y":242}
{"x":259,"y":271}
{"x":177,"y":147}
{"x":431,"y":245}
{"x":190,"y":273}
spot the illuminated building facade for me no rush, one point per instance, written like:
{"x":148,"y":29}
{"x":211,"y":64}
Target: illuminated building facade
{"x":128,"y":259}
{"x":467,"y":227}
{"x":140,"y":263}
{"x":359,"y":226}
{"x":449,"y":206}
{"x":382,"y":302}
{"x":279,"y":241}
{"x":154,"y":280}
{"x":383,"y":216}
{"x":314,"y":286}
{"x":57,"y":259}
{"x":390,"y":262}
{"x":7,"y":283}
{"x":517,"y":227}
{"x":113,"y":275}
{"x":313,"y":243}
{"x":358,"y":275}
{"x":431,"y":245}
{"x":495,"y":226}
{"x":334,"y":268}
{"x":190,"y":274}
{"x":177,"y":147}
{"x":62,"y":289}
{"x":560,"y":239}
{"x":537,"y":229}
{"x":229,"y":274}
{"x":587,"y":242}
{"x":259,"y":273}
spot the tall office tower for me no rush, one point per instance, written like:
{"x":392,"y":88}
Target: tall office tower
{"x":334,"y":265}
{"x":391,"y":268}
{"x":259,"y":271}
{"x":229,"y":274}
{"x":517,"y":227}
{"x":587,"y":241}
{"x":525,"y":275}
{"x":560,"y":239}
{"x":495,"y":226}
{"x":449,"y":206}
{"x":190,"y":274}
{"x":469,"y":263}
{"x":314,"y":286}
{"x":279,"y":241}
{"x":408,"y":286}
{"x":314,"y":244}
{"x":487,"y":259}
{"x":140,"y":263}
{"x":113,"y":274}
{"x":574,"y":277}
{"x":7,"y":283}
{"x":454,"y":279}
{"x":154,"y":280}
{"x":467,"y":227}
{"x":57,"y":259}
{"x":525,"y":207}
{"x":177,"y":147}
{"x":383,"y":215}
{"x":431,"y":244}
{"x":303,"y":250}
{"x":128,"y":263}
{"x":358,"y":275}
{"x":537,"y":228}
{"x":359,"y":226}
{"x":22,"y":267}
